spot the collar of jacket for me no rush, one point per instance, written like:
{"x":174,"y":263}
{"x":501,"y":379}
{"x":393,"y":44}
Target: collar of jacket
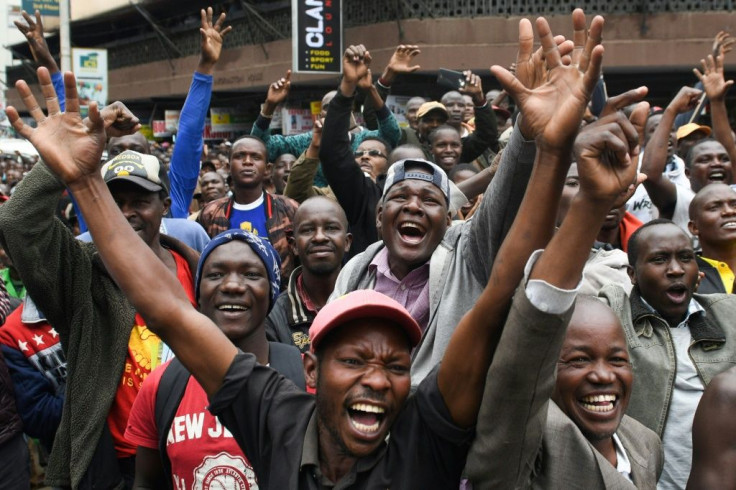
{"x":702,"y":327}
{"x":298,"y":313}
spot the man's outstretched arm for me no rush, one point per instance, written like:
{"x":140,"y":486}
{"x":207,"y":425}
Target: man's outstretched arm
{"x":554,"y":111}
{"x":73,"y":150}
{"x":184,"y":169}
{"x":661,"y":190}
{"x":716,"y":88}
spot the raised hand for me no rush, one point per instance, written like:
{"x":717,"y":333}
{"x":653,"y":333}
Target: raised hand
{"x":33,"y":33}
{"x":712,"y":77}
{"x":211,"y":40}
{"x":530,"y":67}
{"x":722,"y":43}
{"x":607,"y":154}
{"x":69,"y":147}
{"x":473,"y":88}
{"x":366,"y":82}
{"x":317,"y":133}
{"x":401,"y":62}
{"x":355,"y":65}
{"x":618,"y":102}
{"x":552,"y":111}
{"x":685,"y":100}
{"x":117,"y":120}
{"x":278,"y":91}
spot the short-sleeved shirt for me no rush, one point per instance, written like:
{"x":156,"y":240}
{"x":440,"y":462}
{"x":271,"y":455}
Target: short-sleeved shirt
{"x":276,"y":426}
{"x":202,"y":452}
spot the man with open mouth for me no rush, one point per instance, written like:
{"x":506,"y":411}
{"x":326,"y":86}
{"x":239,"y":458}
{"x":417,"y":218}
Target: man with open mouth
{"x":361,"y":374}
{"x":678,"y":340}
{"x":434,"y":270}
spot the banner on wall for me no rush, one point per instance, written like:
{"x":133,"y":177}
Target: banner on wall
{"x":159,"y":128}
{"x":397,"y":105}
{"x":172,"y":120}
{"x":226,"y":119}
{"x":316,"y":36}
{"x":296,"y":121}
{"x":48,"y":8}
{"x":90,"y":69}
{"x":209,"y":134}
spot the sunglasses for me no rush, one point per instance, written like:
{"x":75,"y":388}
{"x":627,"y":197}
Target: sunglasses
{"x":370,"y":153}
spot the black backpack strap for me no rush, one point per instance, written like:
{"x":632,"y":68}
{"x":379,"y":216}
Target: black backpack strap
{"x":287,"y":360}
{"x":168,"y":397}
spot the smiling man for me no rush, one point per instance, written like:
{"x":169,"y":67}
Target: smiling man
{"x":678,"y":340}
{"x":446,"y":147}
{"x":577,"y":434}
{"x":713,"y":222}
{"x":251,"y":208}
{"x":708,"y":160}
{"x":321,"y":240}
{"x":422,"y":262}
{"x":362,"y":375}
{"x":236,"y":284}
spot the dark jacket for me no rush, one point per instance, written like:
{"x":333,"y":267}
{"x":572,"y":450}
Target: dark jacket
{"x":71,"y":285}
{"x":38,"y":370}
{"x":10,"y":423}
{"x":280,"y":210}
{"x":357,"y":194}
{"x":711,"y":282}
{"x":289,"y":319}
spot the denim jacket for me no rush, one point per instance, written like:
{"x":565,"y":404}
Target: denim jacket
{"x":652,"y":350}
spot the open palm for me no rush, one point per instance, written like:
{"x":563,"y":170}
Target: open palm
{"x":553,"y":95}
{"x":71,"y":148}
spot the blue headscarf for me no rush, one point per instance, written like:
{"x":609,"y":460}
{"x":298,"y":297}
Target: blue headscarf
{"x":262,"y":248}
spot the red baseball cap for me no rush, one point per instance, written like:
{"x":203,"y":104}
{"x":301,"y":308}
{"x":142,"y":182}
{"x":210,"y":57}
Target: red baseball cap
{"x":364,"y":303}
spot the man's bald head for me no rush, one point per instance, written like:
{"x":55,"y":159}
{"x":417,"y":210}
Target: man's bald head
{"x":403,"y":152}
{"x":315,"y":203}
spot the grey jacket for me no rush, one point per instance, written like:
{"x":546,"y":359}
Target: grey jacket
{"x":523,"y":440}
{"x":461,"y":265}
{"x":652,"y":350}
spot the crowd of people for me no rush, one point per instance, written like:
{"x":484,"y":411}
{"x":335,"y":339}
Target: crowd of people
{"x":525,"y":288}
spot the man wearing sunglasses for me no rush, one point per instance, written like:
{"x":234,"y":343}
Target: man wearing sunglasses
{"x":372,"y":158}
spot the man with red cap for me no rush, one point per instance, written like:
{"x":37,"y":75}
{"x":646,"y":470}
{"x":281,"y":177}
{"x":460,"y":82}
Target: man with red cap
{"x":360,"y":357}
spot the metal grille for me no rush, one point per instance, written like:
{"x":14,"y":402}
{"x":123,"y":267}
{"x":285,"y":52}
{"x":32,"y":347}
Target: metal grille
{"x":248,"y":30}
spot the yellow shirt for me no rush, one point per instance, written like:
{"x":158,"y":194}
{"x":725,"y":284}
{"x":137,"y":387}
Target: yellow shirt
{"x":727,"y":276}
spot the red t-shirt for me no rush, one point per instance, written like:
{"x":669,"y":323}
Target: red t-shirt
{"x":144,"y":354}
{"x":202,"y":452}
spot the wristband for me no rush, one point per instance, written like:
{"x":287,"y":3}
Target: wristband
{"x":267,"y":117}
{"x":383,"y":83}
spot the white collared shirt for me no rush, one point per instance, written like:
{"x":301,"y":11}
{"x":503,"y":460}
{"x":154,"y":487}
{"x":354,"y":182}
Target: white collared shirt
{"x":677,"y":437}
{"x":623,"y":465}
